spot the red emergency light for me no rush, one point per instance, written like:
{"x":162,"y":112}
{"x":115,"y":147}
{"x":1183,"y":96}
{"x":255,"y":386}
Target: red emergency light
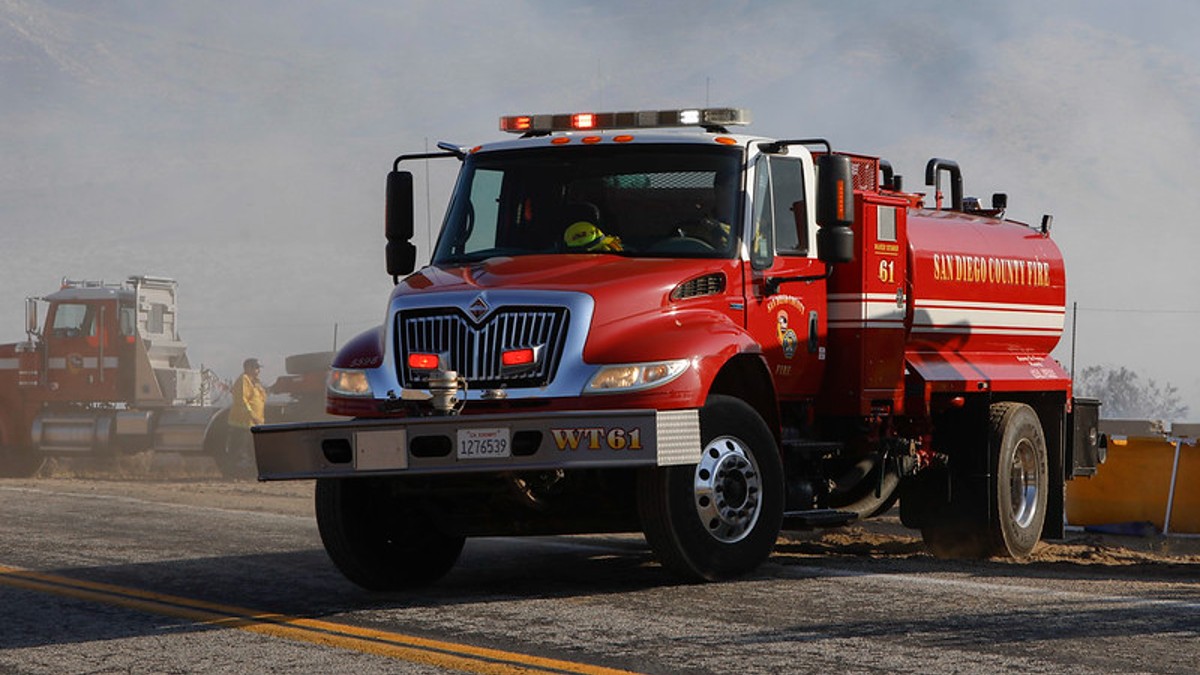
{"x":418,"y":361}
{"x":517,"y":357}
{"x":709,"y":118}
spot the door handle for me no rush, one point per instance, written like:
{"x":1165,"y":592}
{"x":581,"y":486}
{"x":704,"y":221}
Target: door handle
{"x":813,"y":339}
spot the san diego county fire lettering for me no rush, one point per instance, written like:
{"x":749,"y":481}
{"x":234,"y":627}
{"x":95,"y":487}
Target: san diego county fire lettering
{"x":642,"y":322}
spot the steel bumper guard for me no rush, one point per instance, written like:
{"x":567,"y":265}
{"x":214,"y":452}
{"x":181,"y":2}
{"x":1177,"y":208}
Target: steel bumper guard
{"x":478,"y":443}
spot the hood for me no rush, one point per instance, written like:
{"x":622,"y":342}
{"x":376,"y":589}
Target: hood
{"x":622,"y":286}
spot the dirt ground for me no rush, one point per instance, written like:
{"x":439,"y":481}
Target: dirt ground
{"x":885,"y":537}
{"x":196,"y":482}
{"x":176,"y":480}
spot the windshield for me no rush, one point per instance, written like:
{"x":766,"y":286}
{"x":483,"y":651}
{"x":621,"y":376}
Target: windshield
{"x":72,"y":320}
{"x":635,"y":200}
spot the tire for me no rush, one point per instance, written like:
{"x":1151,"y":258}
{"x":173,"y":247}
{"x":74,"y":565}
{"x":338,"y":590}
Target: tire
{"x":378,"y":540}
{"x":687,"y":512}
{"x":20,"y":462}
{"x":1004,"y":519}
{"x":944,"y":501}
{"x":1022,"y":479}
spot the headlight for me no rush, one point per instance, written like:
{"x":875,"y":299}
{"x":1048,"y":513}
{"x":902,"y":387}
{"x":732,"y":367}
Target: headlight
{"x":349,"y":382}
{"x":635,"y":376}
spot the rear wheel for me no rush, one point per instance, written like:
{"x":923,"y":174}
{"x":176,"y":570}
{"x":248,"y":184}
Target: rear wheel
{"x":955,"y":540}
{"x":719,"y":518}
{"x":1006,"y":518}
{"x":18,"y":462}
{"x":1022,"y":479}
{"x":380,"y":540}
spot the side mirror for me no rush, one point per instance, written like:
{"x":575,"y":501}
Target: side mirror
{"x":401,"y":258}
{"x":31,"y":316}
{"x":398,"y":224}
{"x":835,"y":244}
{"x":835,"y":209}
{"x":398,"y":212}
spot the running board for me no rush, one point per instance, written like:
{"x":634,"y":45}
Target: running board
{"x":811,"y":449}
{"x":815,"y":518}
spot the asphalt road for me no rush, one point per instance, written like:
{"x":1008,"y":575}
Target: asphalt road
{"x":201,"y":576}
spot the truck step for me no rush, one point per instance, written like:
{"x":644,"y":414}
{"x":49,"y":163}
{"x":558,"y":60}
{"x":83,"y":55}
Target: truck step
{"x":816,"y":518}
{"x":811,"y":449}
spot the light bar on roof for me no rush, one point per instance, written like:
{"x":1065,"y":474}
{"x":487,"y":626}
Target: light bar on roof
{"x":641,"y":119}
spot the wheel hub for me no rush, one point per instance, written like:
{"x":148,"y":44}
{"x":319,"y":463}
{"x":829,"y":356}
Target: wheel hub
{"x":1023,"y":485}
{"x":728,"y":490}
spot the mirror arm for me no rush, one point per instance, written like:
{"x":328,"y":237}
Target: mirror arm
{"x":773,"y":283}
{"x":427,"y":155}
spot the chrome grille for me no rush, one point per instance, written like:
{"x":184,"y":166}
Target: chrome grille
{"x":474,"y":349}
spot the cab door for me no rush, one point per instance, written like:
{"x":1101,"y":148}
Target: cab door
{"x":82,"y":357}
{"x":785,"y":316}
{"x":70,"y":348}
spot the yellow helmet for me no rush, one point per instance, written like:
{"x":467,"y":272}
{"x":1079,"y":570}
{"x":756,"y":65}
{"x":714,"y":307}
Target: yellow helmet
{"x":584,"y":236}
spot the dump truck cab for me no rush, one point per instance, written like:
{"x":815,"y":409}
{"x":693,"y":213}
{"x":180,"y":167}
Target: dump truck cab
{"x":106,"y":373}
{"x":114,"y":343}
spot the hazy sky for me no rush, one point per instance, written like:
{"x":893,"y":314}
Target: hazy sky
{"x":242,"y":147}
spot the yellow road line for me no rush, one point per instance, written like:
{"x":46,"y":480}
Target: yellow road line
{"x":412,"y":648}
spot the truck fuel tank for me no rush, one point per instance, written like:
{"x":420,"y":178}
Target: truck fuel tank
{"x":59,"y":433}
{"x":178,"y":429}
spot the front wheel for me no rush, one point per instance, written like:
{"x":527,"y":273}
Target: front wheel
{"x":719,"y":518}
{"x":380,"y":539}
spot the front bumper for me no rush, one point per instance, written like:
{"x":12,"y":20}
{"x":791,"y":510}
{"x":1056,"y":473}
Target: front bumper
{"x":451,"y":444}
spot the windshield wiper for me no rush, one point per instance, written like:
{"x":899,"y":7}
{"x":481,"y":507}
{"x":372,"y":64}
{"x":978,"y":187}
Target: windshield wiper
{"x":480,"y":256}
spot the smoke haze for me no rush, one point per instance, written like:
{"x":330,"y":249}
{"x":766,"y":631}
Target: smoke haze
{"x":242,"y":148}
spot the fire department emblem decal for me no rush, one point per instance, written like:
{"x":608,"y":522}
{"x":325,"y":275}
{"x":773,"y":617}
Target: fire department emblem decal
{"x":787,"y":336}
{"x":789,"y":341}
{"x":479,"y":308}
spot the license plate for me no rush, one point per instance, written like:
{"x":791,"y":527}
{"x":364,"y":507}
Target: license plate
{"x":380,"y":450}
{"x":484,"y":443}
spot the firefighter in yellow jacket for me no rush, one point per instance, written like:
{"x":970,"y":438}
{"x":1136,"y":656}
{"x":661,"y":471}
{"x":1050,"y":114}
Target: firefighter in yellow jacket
{"x":249,"y":402}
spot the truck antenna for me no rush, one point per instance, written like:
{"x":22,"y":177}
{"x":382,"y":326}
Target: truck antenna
{"x":428,"y":213}
{"x":1074,"y":327}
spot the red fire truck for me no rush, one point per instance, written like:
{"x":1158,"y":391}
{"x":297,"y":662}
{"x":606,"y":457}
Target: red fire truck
{"x":108,"y":374}
{"x":639,"y":321}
